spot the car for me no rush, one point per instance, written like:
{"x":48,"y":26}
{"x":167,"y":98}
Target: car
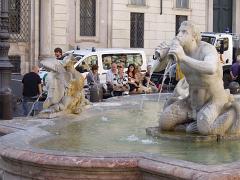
{"x":104,"y":58}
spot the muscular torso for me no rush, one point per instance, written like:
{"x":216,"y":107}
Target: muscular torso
{"x":203,"y":87}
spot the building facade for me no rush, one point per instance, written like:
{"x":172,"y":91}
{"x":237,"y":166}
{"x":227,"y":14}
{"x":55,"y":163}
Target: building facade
{"x":109,"y":24}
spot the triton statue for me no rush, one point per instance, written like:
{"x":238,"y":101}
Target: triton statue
{"x":200,"y":104}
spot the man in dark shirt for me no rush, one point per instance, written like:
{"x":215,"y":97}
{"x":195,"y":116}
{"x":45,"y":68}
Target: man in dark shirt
{"x":32,"y":87}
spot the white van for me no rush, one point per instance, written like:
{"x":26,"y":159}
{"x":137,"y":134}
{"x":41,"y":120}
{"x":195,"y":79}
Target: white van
{"x":105,"y":57}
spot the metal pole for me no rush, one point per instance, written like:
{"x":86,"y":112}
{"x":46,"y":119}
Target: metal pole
{"x":5,"y":65}
{"x":161,"y":8}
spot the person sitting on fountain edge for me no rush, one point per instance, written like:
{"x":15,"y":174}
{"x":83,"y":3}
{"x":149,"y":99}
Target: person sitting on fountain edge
{"x":147,"y":80}
{"x":110,"y":76}
{"x":120,"y":82}
{"x":208,"y":108}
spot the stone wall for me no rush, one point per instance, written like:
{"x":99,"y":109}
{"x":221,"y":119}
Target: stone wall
{"x":157,"y":27}
{"x":21,"y":49}
{"x":58,"y":25}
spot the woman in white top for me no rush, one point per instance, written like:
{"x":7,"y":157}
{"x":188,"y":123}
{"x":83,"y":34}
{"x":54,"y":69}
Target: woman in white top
{"x":120,"y":82}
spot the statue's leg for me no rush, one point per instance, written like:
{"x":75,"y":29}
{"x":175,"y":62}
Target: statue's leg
{"x":235,"y":128}
{"x":223,"y":123}
{"x":209,"y":121}
{"x":175,"y":114}
{"x":192,"y":127}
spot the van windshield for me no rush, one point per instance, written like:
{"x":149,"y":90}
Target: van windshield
{"x":126,"y":59}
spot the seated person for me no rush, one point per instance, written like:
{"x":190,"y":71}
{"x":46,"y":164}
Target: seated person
{"x":139,"y":78}
{"x":132,"y":81}
{"x":93,"y":80}
{"x":93,"y":76}
{"x":110,"y":76}
{"x":147,"y":80}
{"x":120,"y":82}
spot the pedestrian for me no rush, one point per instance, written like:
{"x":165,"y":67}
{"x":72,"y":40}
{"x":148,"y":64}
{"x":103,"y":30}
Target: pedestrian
{"x":58,"y":53}
{"x":235,"y":70}
{"x":32,"y":88}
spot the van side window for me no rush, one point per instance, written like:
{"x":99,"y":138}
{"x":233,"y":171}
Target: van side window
{"x":126,"y":59}
{"x":107,"y":61}
{"x":87,"y":63}
{"x":135,"y":59}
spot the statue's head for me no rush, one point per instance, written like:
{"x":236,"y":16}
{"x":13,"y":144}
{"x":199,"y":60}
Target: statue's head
{"x":188,"y":32}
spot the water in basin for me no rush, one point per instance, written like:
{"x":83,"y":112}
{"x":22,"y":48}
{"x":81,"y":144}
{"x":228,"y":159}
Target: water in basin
{"x":123,"y":131}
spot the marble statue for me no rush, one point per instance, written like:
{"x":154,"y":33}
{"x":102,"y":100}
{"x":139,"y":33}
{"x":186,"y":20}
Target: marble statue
{"x":199,"y":104}
{"x":64,"y":87}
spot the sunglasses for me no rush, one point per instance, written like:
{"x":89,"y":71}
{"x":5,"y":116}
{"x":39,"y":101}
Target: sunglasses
{"x":120,"y":67}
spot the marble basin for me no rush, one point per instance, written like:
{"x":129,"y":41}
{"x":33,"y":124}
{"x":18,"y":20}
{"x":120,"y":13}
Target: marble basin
{"x":109,"y":141}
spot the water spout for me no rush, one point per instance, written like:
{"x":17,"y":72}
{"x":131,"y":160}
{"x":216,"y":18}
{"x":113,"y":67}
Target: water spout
{"x":171,"y":58}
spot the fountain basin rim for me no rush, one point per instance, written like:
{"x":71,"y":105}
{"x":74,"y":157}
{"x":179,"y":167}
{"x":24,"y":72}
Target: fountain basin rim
{"x":127,"y":161}
{"x":22,"y":151}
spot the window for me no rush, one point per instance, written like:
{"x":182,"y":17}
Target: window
{"x":87,"y":63}
{"x":14,"y":16}
{"x":19,"y":20}
{"x":126,"y":59}
{"x":137,"y":30}
{"x":179,"y":20}
{"x":87,"y":17}
{"x":184,"y":4}
{"x":208,"y":39}
{"x":138,"y":2}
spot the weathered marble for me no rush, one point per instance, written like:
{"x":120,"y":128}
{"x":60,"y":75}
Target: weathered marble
{"x":204,"y":106}
{"x":65,"y":88}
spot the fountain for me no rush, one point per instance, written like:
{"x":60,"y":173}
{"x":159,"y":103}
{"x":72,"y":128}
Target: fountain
{"x":108,"y":141}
